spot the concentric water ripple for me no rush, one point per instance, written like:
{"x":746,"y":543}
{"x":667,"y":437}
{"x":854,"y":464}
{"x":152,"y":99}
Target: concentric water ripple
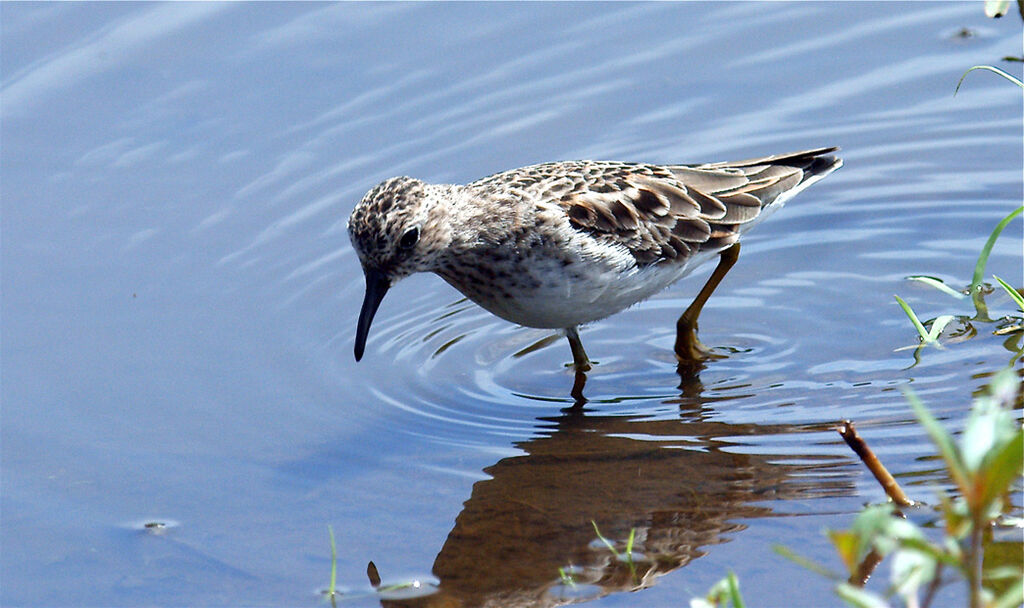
{"x":180,"y":296}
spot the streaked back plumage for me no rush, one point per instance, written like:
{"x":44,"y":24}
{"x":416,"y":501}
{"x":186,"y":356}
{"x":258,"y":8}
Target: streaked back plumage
{"x":664,"y":213}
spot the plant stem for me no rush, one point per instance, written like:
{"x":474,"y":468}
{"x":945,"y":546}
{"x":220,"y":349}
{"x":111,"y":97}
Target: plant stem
{"x":933,"y":586}
{"x":332,"y":590}
{"x":973,"y":561}
{"x":865,"y":569}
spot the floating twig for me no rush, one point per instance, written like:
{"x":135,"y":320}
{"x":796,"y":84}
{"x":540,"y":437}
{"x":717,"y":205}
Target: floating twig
{"x":887,"y":481}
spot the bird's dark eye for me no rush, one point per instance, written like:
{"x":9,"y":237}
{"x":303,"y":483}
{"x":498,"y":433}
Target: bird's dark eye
{"x":409,"y":239}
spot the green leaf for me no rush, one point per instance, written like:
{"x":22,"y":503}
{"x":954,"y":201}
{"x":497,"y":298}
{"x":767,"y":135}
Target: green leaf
{"x":942,"y":439}
{"x":1004,"y":388}
{"x":1014,"y":596}
{"x":981,"y":435}
{"x":937,"y":284}
{"x":879,"y":520}
{"x":894,"y":533}
{"x":719,"y":590}
{"x":860,"y":598}
{"x":910,"y":570}
{"x":1011,"y":521}
{"x":1002,"y":572}
{"x":989,"y":425}
{"x":992,"y":445}
{"x":848,"y":546}
{"x":958,"y":524}
{"x":1014,"y":294}
{"x":932,"y":552}
{"x":1001,"y":469}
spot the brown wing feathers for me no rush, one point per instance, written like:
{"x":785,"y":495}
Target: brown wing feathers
{"x":662,"y":213}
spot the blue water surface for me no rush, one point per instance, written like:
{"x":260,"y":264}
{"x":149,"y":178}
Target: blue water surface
{"x":179,"y":297}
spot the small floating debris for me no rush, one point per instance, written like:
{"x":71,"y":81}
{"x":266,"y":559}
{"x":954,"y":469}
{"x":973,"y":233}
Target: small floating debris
{"x":964,"y":33}
{"x":154,"y":526}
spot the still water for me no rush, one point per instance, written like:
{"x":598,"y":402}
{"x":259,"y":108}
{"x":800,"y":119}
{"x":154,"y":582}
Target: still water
{"x":179,"y":298}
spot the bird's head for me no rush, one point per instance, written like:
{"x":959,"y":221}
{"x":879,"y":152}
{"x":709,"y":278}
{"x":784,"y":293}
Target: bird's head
{"x":399,"y":228}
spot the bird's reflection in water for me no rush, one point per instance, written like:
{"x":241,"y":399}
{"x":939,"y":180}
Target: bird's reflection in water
{"x":529,"y":529}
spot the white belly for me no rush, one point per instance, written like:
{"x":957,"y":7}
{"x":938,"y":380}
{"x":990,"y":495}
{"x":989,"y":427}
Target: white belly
{"x":584,"y":293}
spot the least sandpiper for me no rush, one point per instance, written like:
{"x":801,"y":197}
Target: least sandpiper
{"x":561,"y":244}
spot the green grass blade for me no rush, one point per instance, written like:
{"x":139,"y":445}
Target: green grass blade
{"x":800,"y":560}
{"x":334,"y":564}
{"x":937,"y":284}
{"x":979,"y":268}
{"x":913,"y":319}
{"x":604,"y":540}
{"x":1014,"y":294}
{"x":566,"y":577}
{"x":734,"y":590}
{"x":990,"y":69}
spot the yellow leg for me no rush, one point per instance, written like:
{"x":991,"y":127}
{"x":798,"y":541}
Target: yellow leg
{"x":578,"y":384}
{"x":579,"y":356}
{"x":688,"y":347}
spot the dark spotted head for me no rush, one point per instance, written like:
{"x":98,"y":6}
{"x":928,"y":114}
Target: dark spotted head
{"x":399,"y":228}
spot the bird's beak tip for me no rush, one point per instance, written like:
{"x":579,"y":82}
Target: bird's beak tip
{"x":377,"y":285}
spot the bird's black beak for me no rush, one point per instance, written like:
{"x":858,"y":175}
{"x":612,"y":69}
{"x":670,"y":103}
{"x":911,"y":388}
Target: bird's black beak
{"x":377,"y":284}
